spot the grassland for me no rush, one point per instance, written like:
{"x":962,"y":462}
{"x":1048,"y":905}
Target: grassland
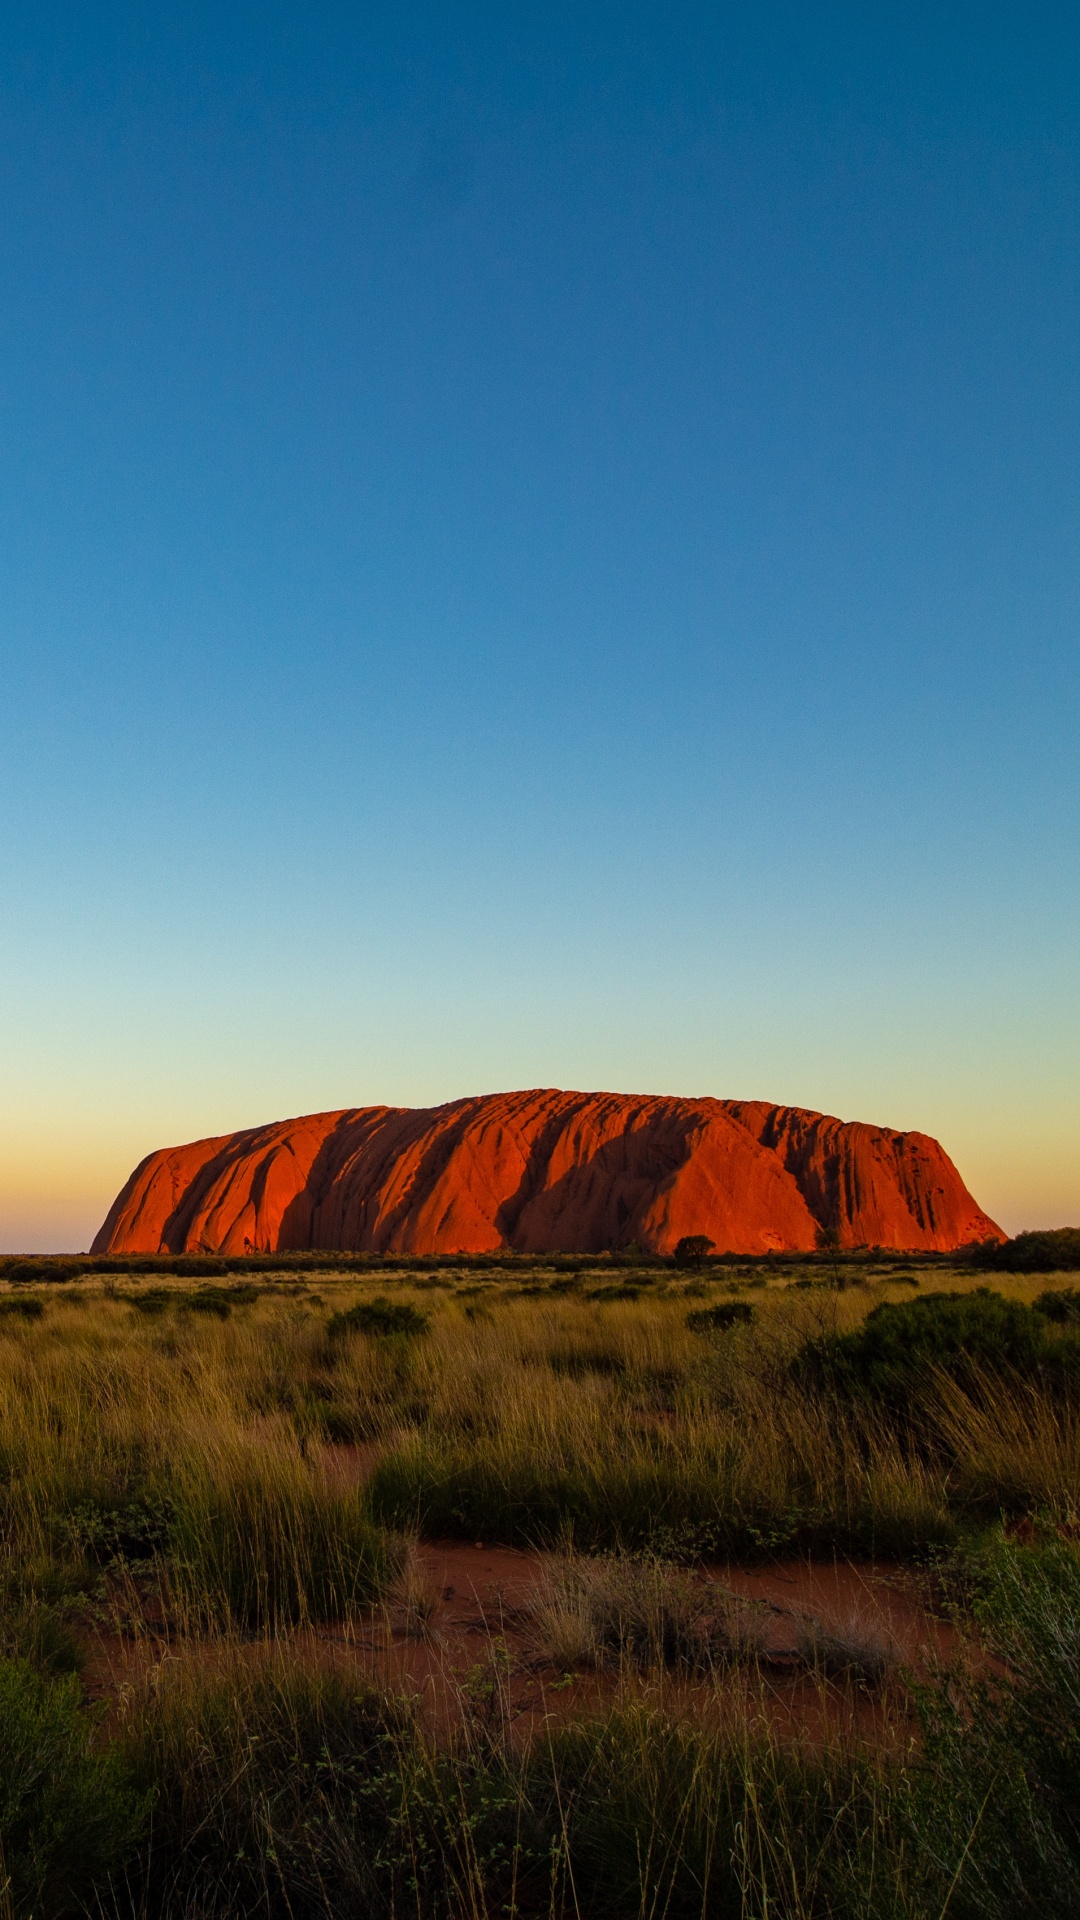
{"x":223,"y":1474}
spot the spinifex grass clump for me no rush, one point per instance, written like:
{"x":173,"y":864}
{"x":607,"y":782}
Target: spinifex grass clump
{"x":684,"y":1816}
{"x":618,"y":1611}
{"x":1012,"y":1451}
{"x":856,"y":1652}
{"x":262,"y":1539}
{"x":997,"y":1786}
{"x":78,"y":1460}
{"x":129,"y":1446}
{"x":619,"y":1429}
{"x":690,"y":1489}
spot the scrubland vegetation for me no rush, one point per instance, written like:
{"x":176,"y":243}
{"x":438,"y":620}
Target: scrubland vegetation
{"x":218,"y":1481}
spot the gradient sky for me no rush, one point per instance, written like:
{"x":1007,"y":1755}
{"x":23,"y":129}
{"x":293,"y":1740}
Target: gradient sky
{"x":538,"y":546}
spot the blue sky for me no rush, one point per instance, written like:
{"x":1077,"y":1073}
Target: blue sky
{"x":538,"y":546}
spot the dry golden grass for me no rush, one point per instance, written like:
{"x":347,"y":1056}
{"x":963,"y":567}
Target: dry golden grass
{"x":543,"y":1416}
{"x":254,"y":1470}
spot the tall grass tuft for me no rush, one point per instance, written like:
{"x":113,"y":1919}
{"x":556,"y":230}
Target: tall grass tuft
{"x":261,"y":1539}
{"x":70,"y":1814}
{"x":992,"y":1809}
{"x":283,"y":1785}
{"x":660,"y":1814}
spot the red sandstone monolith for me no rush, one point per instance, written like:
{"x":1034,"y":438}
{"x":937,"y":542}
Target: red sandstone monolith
{"x":545,"y":1172}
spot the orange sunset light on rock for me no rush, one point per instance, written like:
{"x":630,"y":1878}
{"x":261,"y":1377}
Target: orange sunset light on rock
{"x":546,"y":1171}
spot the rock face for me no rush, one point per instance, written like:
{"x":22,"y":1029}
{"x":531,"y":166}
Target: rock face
{"x":546,"y":1172}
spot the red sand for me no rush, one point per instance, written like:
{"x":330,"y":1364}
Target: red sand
{"x":474,"y":1650}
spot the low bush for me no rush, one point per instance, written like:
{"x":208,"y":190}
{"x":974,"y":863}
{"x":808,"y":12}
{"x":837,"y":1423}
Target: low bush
{"x":380,"y":1317}
{"x":1055,"y":1250}
{"x":154,"y":1300}
{"x":216,"y":1301}
{"x":25,"y":1306}
{"x":693,"y":1249}
{"x":719,"y":1319}
{"x":213,"y":1300}
{"x":891,"y":1360}
{"x":129,"y":1521}
{"x":1061,"y":1305}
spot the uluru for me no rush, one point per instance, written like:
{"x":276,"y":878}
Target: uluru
{"x":544,"y":1172}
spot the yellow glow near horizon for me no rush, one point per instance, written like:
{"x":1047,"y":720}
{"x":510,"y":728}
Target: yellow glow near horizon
{"x":57,"y":1183}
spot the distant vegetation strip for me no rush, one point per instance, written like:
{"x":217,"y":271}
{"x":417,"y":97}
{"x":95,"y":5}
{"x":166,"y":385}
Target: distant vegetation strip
{"x":1056,"y":1251}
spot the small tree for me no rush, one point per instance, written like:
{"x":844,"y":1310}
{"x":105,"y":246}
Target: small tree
{"x":828,"y":1241}
{"x":692,"y":1249}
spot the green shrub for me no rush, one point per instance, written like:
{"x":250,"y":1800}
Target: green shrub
{"x":69,"y":1815}
{"x":130,"y":1522}
{"x":155,"y":1300}
{"x":26,"y":1305}
{"x":34,"y":1629}
{"x":1061,"y":1305}
{"x":719,"y":1319}
{"x":218,"y":1301}
{"x":965,"y":1335}
{"x":1055,"y":1250}
{"x":213,"y":1300}
{"x":381,"y":1317}
{"x":22,"y":1272}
